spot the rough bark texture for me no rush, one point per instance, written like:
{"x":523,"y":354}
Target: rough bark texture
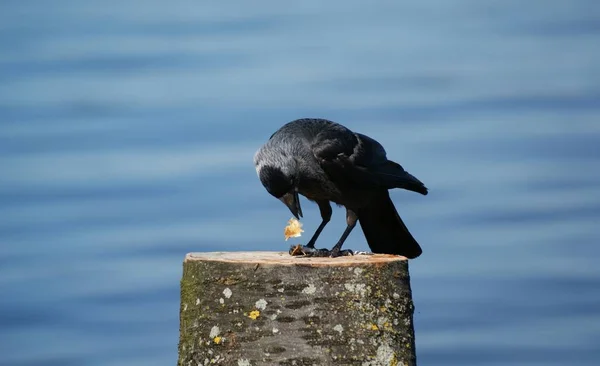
{"x":268,"y":308}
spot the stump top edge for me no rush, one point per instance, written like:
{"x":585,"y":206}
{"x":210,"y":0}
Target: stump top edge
{"x":283,"y":258}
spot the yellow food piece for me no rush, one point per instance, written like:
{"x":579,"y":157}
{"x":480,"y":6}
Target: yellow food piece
{"x":293,"y":230}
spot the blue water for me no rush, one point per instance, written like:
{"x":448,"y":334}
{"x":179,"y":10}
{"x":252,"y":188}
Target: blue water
{"x":127,"y":130}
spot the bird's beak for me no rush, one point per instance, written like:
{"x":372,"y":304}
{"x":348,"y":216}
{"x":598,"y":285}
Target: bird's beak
{"x":292,"y":201}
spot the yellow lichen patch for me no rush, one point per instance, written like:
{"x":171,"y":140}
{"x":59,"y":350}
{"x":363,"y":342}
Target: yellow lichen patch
{"x":374,"y":327}
{"x":254,"y":314}
{"x":293,"y":230}
{"x":217,"y":340}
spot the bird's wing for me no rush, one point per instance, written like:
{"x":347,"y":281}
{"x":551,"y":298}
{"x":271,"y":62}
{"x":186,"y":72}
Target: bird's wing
{"x":355,"y":158}
{"x":333,"y":142}
{"x":346,"y":157}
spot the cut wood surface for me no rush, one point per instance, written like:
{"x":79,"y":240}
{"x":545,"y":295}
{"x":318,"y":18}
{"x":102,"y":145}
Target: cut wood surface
{"x":269,"y":308}
{"x":283,"y":258}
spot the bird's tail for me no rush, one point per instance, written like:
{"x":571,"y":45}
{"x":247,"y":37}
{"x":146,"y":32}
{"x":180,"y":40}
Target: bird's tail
{"x":384,"y":229}
{"x":392,"y":175}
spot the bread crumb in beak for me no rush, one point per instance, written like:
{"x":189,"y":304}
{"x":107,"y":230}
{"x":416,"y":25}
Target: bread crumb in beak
{"x":293,"y":230}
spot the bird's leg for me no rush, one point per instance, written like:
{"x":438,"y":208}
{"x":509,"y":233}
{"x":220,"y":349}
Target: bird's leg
{"x":326,"y":212}
{"x":351,"y":219}
{"x":309,"y":249}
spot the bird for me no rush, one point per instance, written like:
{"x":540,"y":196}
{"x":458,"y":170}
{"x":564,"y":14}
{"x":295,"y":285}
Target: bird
{"x":326,"y":162}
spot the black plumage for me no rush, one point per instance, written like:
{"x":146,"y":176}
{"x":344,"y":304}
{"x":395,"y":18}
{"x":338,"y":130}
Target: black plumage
{"x":326,"y":162}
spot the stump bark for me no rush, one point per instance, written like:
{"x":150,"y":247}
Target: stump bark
{"x":269,"y":308}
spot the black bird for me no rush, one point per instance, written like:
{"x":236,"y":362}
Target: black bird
{"x":325,"y":161}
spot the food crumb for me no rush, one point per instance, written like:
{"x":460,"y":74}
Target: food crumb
{"x":293,"y":229}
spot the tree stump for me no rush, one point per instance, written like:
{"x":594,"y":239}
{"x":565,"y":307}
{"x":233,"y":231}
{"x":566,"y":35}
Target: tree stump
{"x":269,"y":308}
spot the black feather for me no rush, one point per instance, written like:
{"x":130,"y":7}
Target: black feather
{"x":384,"y":229}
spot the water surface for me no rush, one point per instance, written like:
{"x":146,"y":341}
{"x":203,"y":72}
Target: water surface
{"x":127,"y":130}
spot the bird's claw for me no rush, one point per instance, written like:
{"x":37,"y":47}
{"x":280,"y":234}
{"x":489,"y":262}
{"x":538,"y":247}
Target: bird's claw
{"x":306,"y":251}
{"x":340,"y":253}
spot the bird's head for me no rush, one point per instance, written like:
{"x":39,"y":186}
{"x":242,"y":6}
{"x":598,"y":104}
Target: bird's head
{"x":280,"y":180}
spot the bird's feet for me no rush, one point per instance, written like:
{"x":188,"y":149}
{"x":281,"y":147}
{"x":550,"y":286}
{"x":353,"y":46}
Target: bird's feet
{"x":336,"y":252}
{"x":306,"y":251}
